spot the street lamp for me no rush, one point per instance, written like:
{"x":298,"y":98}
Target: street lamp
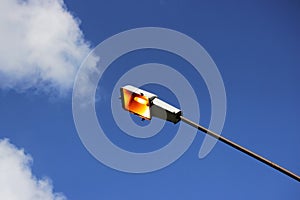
{"x":147,"y":105}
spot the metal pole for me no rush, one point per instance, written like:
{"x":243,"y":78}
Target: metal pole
{"x":242,"y":149}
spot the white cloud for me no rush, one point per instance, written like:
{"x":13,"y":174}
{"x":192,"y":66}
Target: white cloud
{"x":16,"y":179}
{"x":41,"y":47}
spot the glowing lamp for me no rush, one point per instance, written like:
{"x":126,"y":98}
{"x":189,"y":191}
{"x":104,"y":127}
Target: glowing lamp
{"x":137,"y":101}
{"x":147,"y":105}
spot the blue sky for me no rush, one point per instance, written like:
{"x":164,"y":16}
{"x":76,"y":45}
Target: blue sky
{"x":256,"y":46}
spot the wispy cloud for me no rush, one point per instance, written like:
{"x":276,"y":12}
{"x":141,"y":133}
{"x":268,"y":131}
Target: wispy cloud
{"x":16,"y":179}
{"x":41,"y":47}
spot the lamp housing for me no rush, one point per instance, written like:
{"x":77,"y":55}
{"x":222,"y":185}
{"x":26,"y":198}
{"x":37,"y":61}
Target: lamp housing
{"x":147,"y":105}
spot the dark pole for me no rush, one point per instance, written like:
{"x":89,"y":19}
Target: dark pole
{"x":242,"y":149}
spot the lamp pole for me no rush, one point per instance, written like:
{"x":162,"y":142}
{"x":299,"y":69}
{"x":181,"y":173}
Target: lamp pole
{"x":240,"y":148}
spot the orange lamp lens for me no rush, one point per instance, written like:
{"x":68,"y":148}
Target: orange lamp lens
{"x":136,"y":104}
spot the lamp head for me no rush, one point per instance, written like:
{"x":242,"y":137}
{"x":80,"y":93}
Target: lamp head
{"x":146,"y":105}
